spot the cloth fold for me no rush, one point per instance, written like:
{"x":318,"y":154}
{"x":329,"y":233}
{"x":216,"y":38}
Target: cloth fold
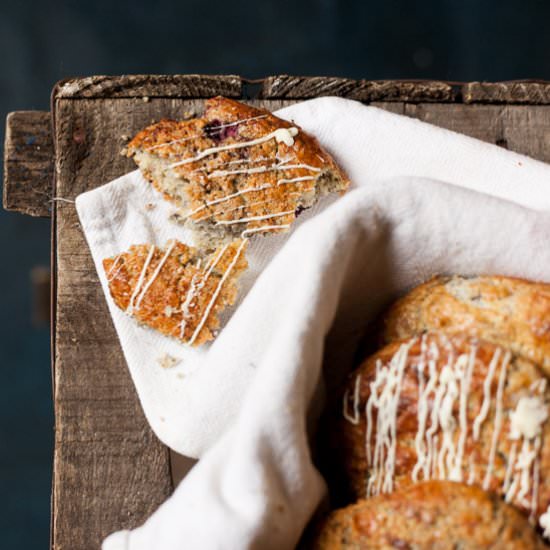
{"x":257,"y":486}
{"x":244,"y":403}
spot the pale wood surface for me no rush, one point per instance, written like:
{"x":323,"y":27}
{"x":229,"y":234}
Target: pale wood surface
{"x":110,"y":471}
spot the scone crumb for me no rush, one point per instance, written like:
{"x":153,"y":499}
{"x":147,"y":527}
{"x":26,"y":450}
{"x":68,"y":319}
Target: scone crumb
{"x":145,"y":99}
{"x":149,"y":206}
{"x":168,"y":310}
{"x":166,"y":361}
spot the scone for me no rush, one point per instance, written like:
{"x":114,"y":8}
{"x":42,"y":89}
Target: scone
{"x":447,"y":407}
{"x":432,"y":515}
{"x":177,"y":291}
{"x":236,"y":171}
{"x":514,"y":313}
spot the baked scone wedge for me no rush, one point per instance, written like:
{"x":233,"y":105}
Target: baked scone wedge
{"x":237,"y":170}
{"x":510,"y":312}
{"x":178,"y":290}
{"x":448,"y":407}
{"x":433,"y":515}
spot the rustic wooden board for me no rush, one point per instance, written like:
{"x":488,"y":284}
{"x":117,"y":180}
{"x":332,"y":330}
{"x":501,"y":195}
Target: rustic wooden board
{"x":526,"y":93}
{"x":110,"y":471}
{"x":303,"y":87}
{"x":145,"y":86}
{"x":28,"y":163}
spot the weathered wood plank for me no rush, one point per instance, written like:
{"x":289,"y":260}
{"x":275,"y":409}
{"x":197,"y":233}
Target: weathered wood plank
{"x":302,"y":87}
{"x":28,"y":163}
{"x":110,"y":471}
{"x":520,"y":128}
{"x":146,"y":86}
{"x":524,"y":92}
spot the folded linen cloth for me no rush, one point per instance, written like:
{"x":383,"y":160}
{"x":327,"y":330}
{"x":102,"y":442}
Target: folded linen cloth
{"x":190,"y":406}
{"x":246,"y":396}
{"x":257,"y":487}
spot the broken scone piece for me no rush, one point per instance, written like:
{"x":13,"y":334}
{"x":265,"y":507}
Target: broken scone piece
{"x":177,"y":290}
{"x":236,"y":171}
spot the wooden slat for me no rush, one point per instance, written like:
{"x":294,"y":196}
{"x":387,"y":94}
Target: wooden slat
{"x":523,"y":129}
{"x":300,"y":87}
{"x":110,"y":471}
{"x":146,"y":86}
{"x":529,"y":93}
{"x":28,"y":163}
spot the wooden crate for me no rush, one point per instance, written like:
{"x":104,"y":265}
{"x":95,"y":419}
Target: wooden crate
{"x":110,"y":471}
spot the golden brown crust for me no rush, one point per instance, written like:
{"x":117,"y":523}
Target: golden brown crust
{"x":510,"y":312}
{"x":287,"y":177}
{"x":446,"y":383}
{"x":434,"y":515}
{"x":176,"y":291}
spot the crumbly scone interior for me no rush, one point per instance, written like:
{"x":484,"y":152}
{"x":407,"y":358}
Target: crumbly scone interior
{"x":236,"y":172}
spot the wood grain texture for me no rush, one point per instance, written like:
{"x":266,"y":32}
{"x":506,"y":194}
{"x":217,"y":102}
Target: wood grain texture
{"x":28,"y":163}
{"x":110,"y":471}
{"x":146,"y":86}
{"x":525,"y":92}
{"x":523,"y":129}
{"x":300,"y":87}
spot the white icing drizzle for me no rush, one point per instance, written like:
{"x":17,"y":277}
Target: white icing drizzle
{"x":263,"y":169}
{"x":388,"y":379}
{"x":509,"y":467}
{"x":355,"y":418}
{"x":227,"y":198}
{"x":498,"y":421}
{"x":196,"y":136}
{"x":269,"y":228}
{"x":282,"y":181}
{"x":198,"y":286}
{"x":154,"y":275}
{"x":186,"y":304}
{"x":217,"y":291}
{"x":526,"y":424}
{"x":528,"y":418}
{"x":236,"y":161}
{"x":141,"y":277}
{"x":281,"y":135}
{"x":240,"y":206}
{"x":113,"y":265}
{"x":486,"y":404}
{"x":465,"y":379}
{"x":544,"y":522}
{"x":422,"y":462}
{"x":255,"y":218}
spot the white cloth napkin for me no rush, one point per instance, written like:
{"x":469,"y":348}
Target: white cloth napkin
{"x":246,"y":398}
{"x":189,"y":406}
{"x":256,"y":487}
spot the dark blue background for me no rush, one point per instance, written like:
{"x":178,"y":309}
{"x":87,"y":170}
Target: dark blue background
{"x":42,"y":42}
